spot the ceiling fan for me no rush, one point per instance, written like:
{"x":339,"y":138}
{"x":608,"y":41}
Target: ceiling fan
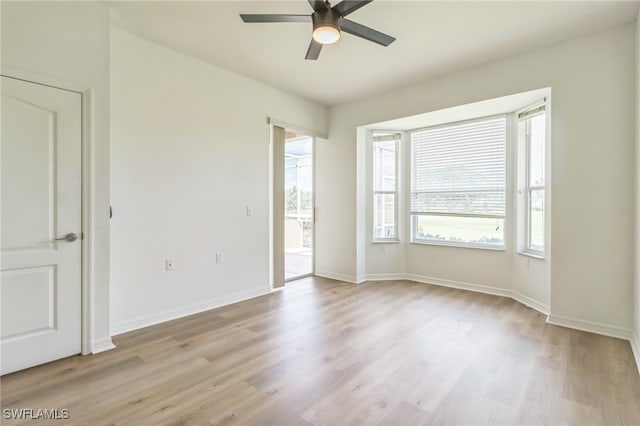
{"x":327,"y":22}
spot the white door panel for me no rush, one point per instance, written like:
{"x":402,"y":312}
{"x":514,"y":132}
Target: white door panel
{"x":40,"y":287}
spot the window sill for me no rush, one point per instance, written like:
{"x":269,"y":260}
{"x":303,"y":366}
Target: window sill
{"x":385,"y":242}
{"x":467,"y":246}
{"x":532,"y":255}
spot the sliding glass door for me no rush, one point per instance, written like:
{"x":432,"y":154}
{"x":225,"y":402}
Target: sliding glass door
{"x":298,"y":205}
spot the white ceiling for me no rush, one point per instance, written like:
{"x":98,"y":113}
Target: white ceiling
{"x":433,"y":38}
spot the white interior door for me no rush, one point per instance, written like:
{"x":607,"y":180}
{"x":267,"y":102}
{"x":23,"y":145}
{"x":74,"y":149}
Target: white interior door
{"x":41,"y":203}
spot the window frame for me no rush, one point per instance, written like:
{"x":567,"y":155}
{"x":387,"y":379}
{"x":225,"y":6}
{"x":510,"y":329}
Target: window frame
{"x":388,"y":136}
{"x":524,"y":186}
{"x":413,"y":217}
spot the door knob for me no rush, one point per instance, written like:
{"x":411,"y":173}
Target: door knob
{"x":69,"y":237}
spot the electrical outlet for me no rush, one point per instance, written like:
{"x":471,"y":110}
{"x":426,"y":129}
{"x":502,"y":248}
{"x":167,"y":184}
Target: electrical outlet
{"x":170,"y":264}
{"x":219,"y":258}
{"x":249,"y":211}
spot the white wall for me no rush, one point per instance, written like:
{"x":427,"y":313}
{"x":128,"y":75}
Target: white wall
{"x":67,"y":44}
{"x":189,"y":150}
{"x":592,"y":174}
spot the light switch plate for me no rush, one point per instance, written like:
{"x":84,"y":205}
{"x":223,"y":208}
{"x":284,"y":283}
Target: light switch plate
{"x":170,"y":265}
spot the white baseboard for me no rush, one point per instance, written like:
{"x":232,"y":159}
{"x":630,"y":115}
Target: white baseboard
{"x":635,"y":348}
{"x":496,"y":291}
{"x":102,"y":345}
{"x":338,"y":276}
{"x":530,"y":302}
{"x":171,"y":314}
{"x":590,"y":326}
{"x":384,"y":277}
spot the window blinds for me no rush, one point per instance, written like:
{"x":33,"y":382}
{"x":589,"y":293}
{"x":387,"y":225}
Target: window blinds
{"x":460,"y":169}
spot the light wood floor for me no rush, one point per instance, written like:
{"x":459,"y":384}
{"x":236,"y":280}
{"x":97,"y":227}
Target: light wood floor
{"x":322,"y":352}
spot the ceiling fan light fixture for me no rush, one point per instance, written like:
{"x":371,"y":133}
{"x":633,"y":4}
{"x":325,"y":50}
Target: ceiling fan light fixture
{"x":328,"y":23}
{"x":326,"y":34}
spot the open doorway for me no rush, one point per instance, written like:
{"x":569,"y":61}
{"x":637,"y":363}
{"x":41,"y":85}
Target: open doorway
{"x":298,"y":205}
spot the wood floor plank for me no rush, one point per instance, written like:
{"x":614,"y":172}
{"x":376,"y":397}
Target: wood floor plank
{"x":404,"y":414}
{"x":323,"y":352}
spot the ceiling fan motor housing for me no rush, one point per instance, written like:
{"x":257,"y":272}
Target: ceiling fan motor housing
{"x":325,"y":18}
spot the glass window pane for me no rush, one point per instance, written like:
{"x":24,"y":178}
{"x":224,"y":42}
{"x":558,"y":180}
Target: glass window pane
{"x":384,"y":166}
{"x":460,"y":168}
{"x":384,"y":216}
{"x":536,"y":150}
{"x":298,"y":186}
{"x":460,"y":229}
{"x":536,"y":220}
